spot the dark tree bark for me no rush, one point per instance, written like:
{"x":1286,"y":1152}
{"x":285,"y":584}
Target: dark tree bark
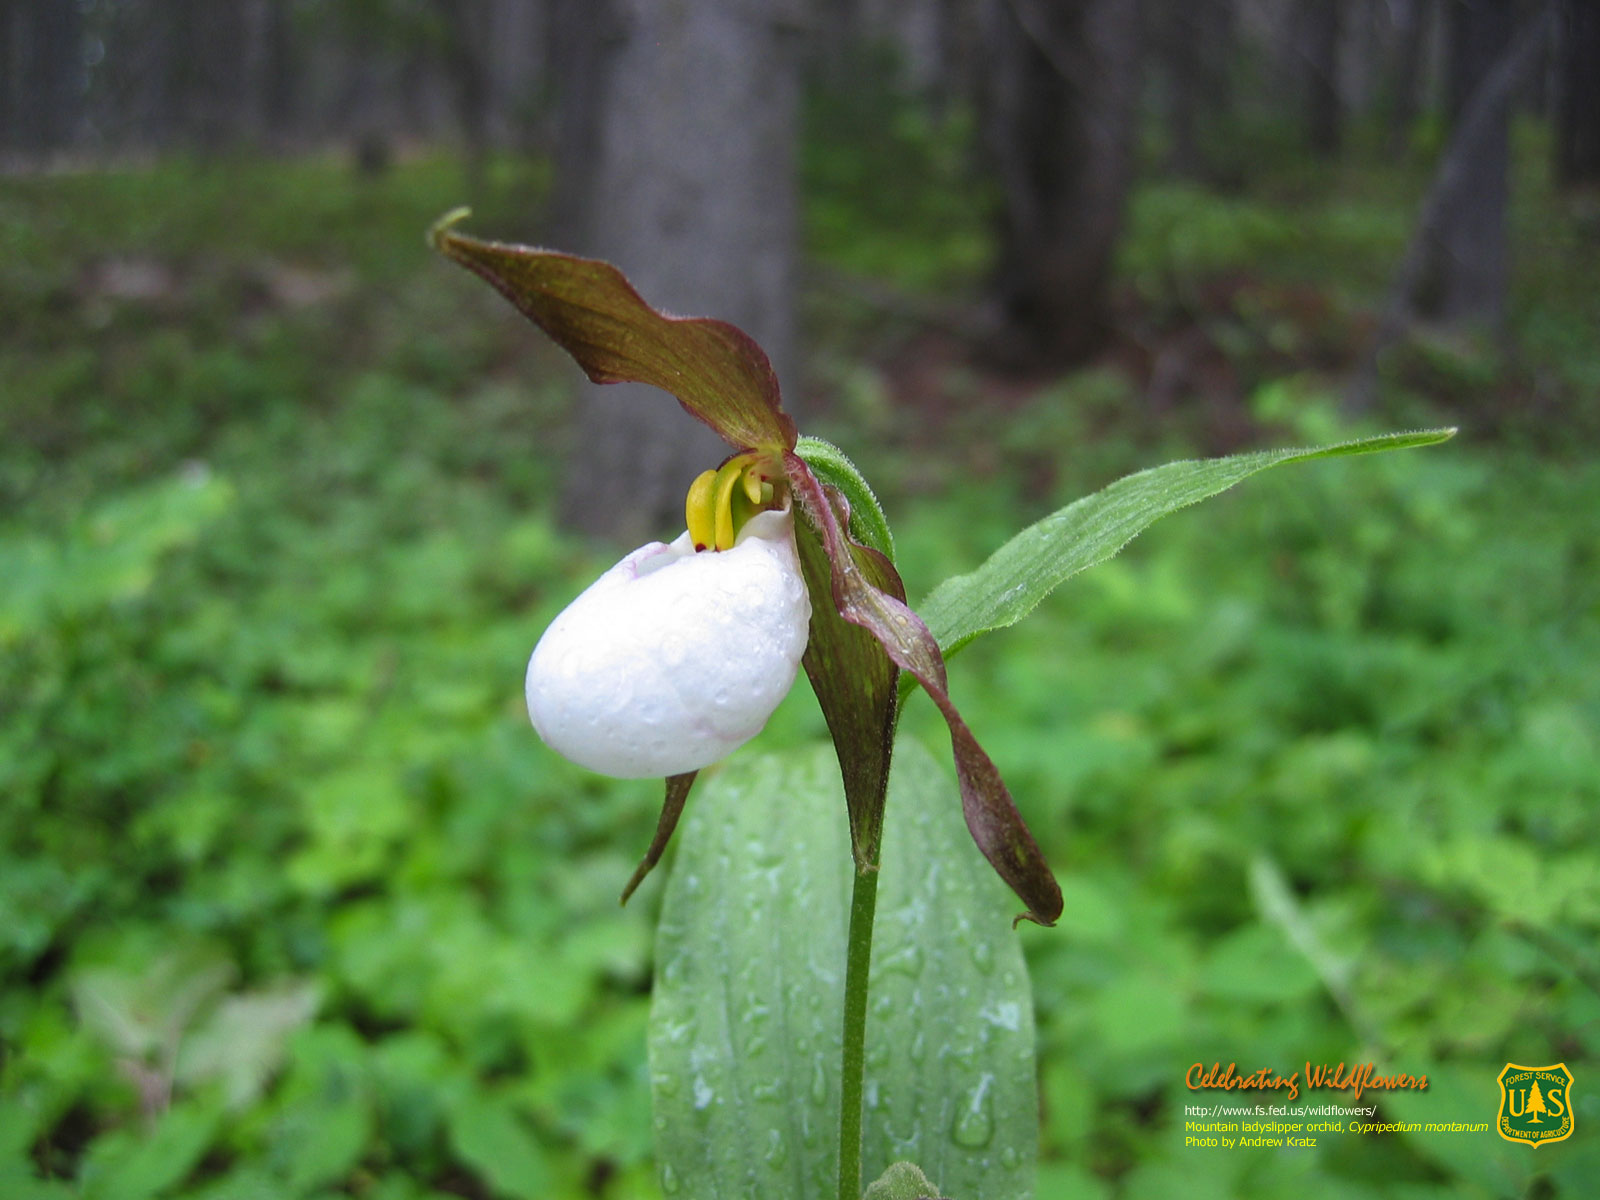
{"x":1477,"y":33}
{"x":10,"y":43}
{"x":1324,"y":110}
{"x":580,"y":37}
{"x":1462,"y":278}
{"x":685,"y":157}
{"x":43,"y":74}
{"x":279,"y":70}
{"x":1060,"y":98}
{"x":1195,"y":45}
{"x":1406,"y":70}
{"x":205,"y":97}
{"x":1578,"y":95}
{"x":465,"y":54}
{"x":1435,"y":239}
{"x":1176,"y":34}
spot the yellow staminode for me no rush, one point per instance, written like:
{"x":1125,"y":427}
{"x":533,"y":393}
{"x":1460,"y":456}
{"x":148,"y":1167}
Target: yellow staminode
{"x":699,"y":510}
{"x":720,"y":501}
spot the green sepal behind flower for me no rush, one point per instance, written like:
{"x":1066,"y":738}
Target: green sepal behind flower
{"x":867,"y":524}
{"x":854,"y":680}
{"x":992,"y":817}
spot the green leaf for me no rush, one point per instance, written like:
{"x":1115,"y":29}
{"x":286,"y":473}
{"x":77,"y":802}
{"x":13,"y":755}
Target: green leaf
{"x":125,"y":1165}
{"x":242,"y":1043}
{"x":319,"y":1142}
{"x":747,"y":1007}
{"x":19,"y":1182}
{"x":114,"y":552}
{"x":143,"y":1014}
{"x":1464,"y":1090}
{"x":1089,"y":531}
{"x":591,"y":311}
{"x":868,"y":525}
{"x":492,"y":1139}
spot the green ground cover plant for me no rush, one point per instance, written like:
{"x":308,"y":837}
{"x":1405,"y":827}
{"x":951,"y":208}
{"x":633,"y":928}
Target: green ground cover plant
{"x":293,"y":904}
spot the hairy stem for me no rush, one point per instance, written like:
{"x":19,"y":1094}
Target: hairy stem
{"x":858,"y":958}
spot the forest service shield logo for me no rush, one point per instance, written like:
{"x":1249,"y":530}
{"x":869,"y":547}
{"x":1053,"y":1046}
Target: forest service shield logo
{"x":1535,"y":1104}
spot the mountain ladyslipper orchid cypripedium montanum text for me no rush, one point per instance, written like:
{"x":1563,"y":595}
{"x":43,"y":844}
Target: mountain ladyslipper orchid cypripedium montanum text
{"x":680,"y":652}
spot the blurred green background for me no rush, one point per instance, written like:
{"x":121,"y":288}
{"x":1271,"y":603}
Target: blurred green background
{"x":293,"y":902}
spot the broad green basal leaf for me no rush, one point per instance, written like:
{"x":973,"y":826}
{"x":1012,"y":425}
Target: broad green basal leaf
{"x":1088,"y":531}
{"x":746,"y":1010}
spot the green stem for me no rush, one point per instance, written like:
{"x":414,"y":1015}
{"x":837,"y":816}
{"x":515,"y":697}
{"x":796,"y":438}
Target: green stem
{"x":858,"y":959}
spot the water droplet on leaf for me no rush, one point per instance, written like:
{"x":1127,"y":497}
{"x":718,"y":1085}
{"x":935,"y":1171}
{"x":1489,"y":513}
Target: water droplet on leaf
{"x":907,"y":962}
{"x":974,"y":1123}
{"x":777,"y":1150}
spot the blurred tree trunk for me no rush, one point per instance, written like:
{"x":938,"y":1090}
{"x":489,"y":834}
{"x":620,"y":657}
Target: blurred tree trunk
{"x":1578,"y":112}
{"x":1407,"y":70}
{"x":1437,"y":245}
{"x":677,"y":158}
{"x":1477,"y":32}
{"x":1060,"y":94}
{"x":10,"y":98}
{"x":1324,"y":110}
{"x":278,"y":73}
{"x":1462,"y":277}
{"x":578,"y":39}
{"x":205,"y":99}
{"x":1176,"y":33}
{"x":42,"y":74}
{"x":465,"y":53}
{"x":1195,"y":43}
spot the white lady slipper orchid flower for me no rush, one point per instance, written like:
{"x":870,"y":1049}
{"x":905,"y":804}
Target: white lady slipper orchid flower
{"x":680,"y":653}
{"x":674,"y":657}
